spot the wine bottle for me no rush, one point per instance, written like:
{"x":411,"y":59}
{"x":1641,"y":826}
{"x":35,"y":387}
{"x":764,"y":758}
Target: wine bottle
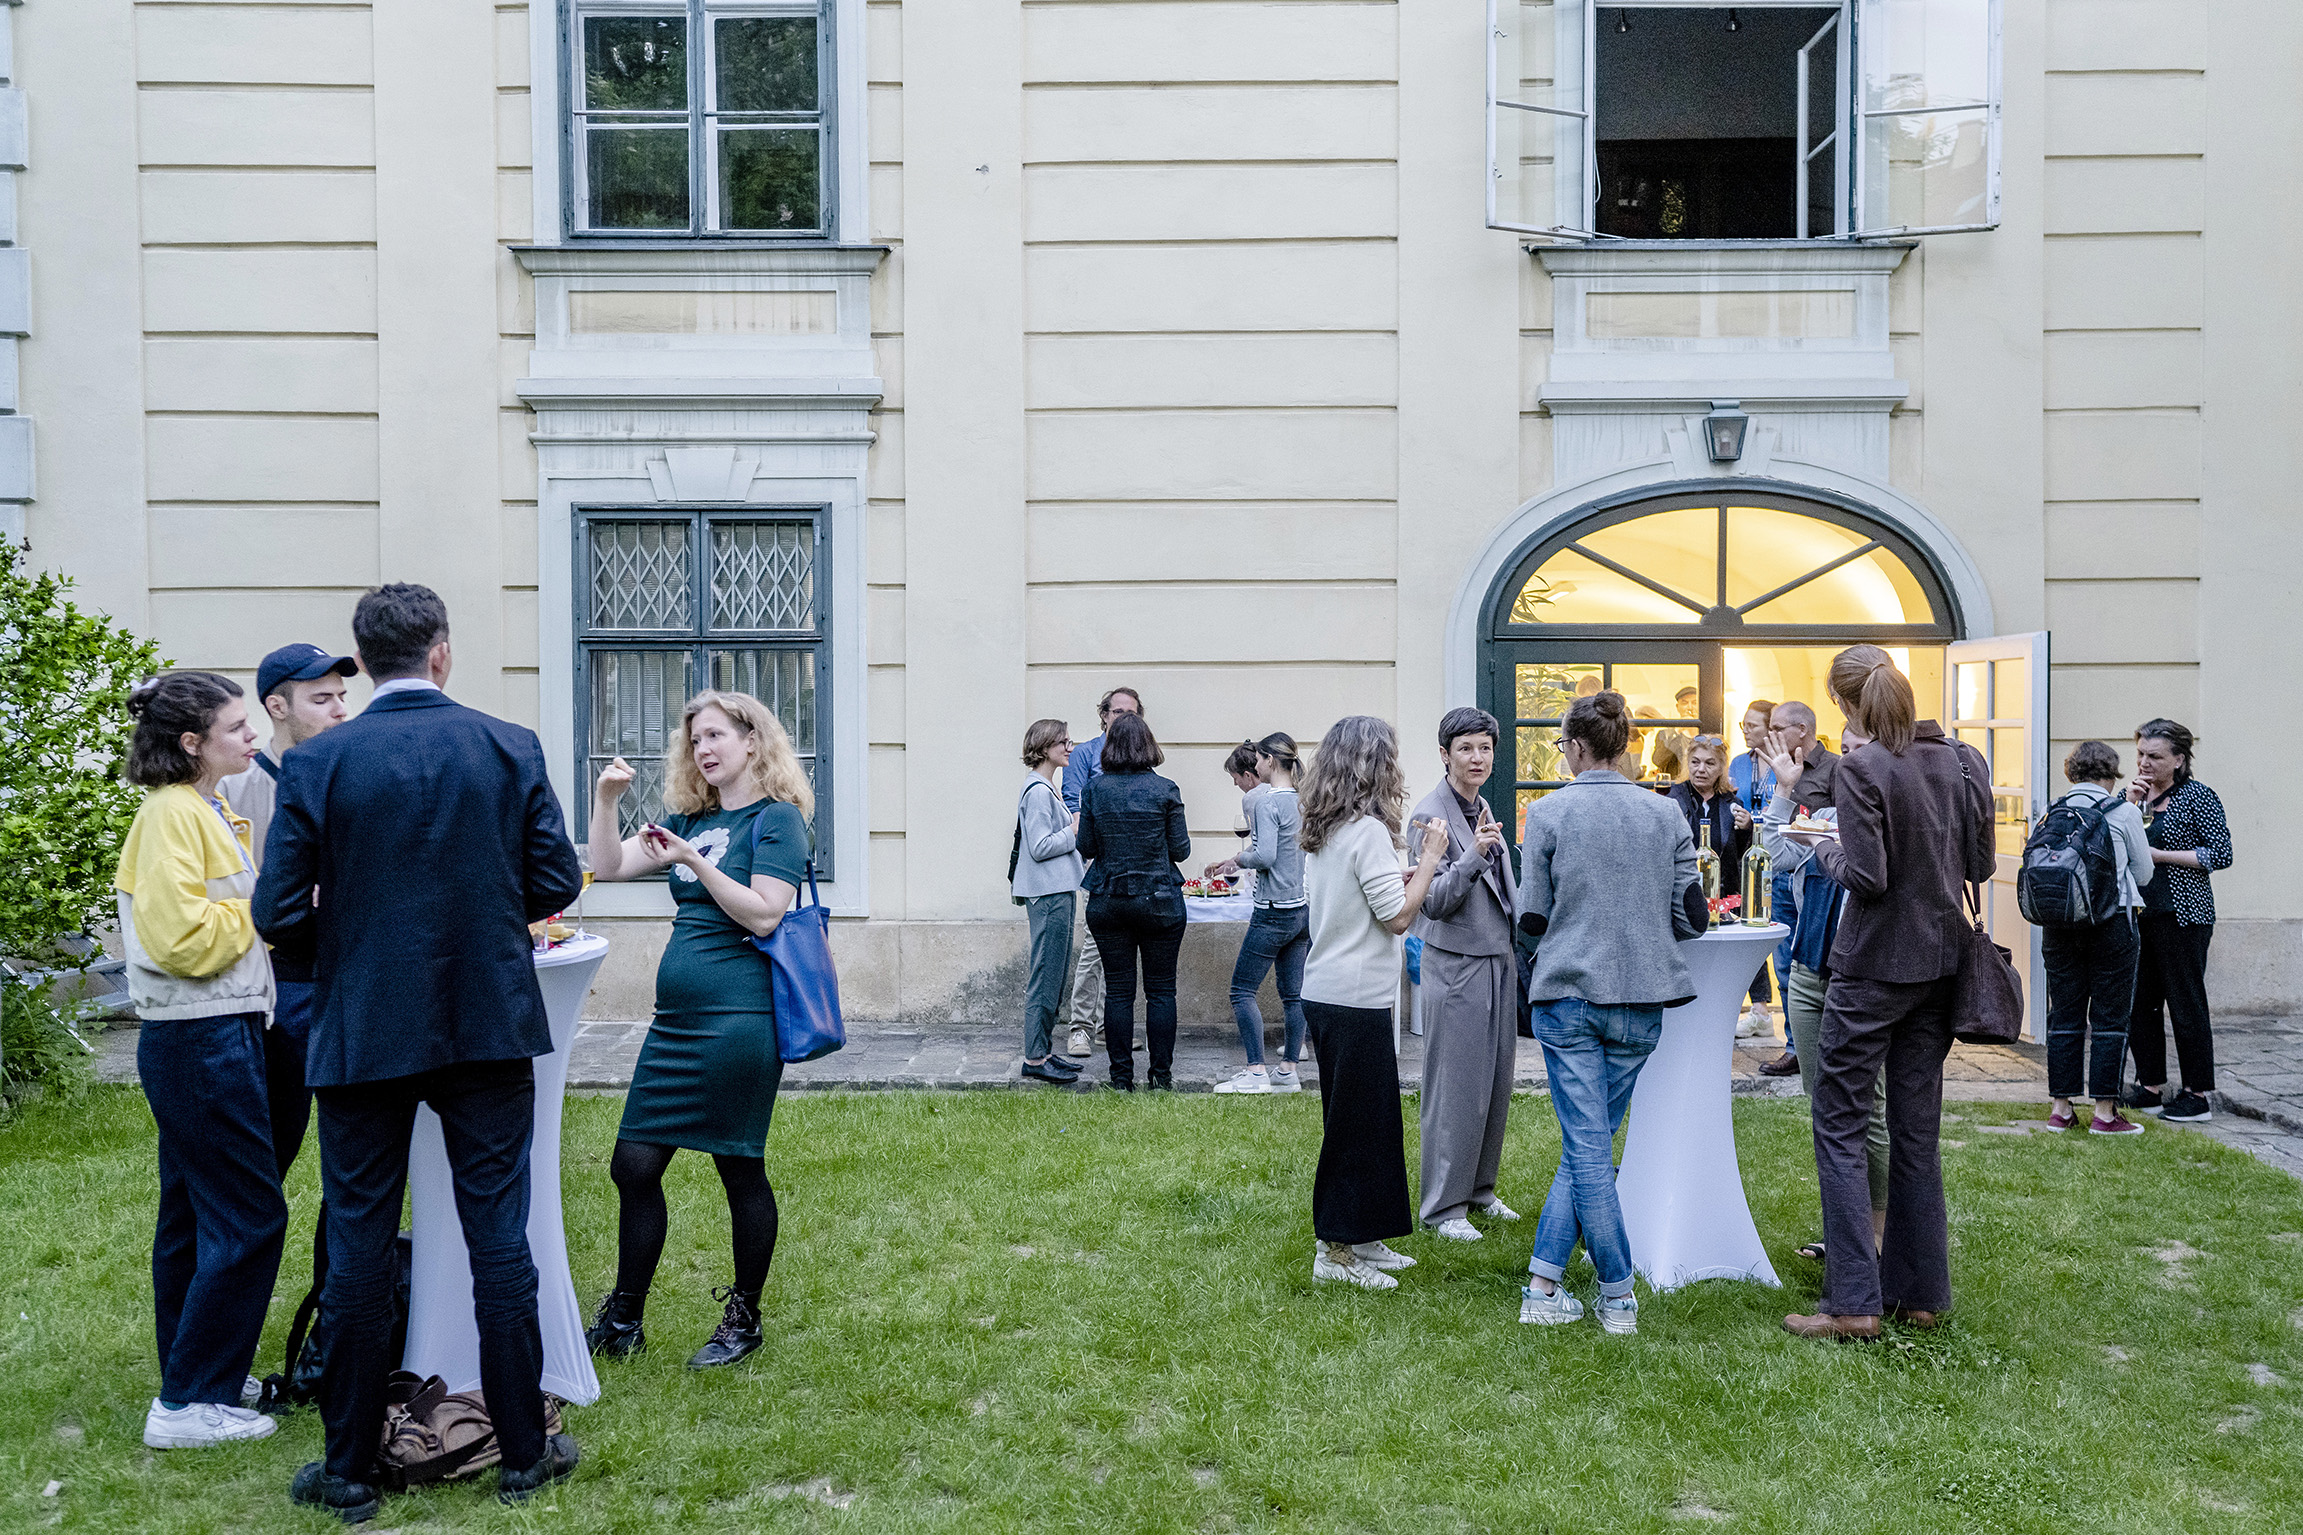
{"x":1707,"y":867}
{"x":1758,"y":886}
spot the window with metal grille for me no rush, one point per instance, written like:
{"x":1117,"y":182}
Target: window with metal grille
{"x":699,"y":117}
{"x":669,"y":603}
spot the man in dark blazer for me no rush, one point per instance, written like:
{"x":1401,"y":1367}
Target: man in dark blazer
{"x":410,"y":848}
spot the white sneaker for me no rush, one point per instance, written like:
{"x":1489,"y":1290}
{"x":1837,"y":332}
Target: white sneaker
{"x":251,"y":1391}
{"x":1080,"y":1044}
{"x":1285,"y":1080}
{"x":1246,"y":1082}
{"x":1383,"y":1257}
{"x":1748,"y":1027}
{"x":1329,"y":1264}
{"x":1551,"y":1310}
{"x":1496,"y":1210}
{"x":1456,"y":1229}
{"x":1619,"y":1315}
{"x":197,"y":1425}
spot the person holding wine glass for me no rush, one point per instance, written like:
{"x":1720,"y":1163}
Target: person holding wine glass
{"x":2183,"y":819}
{"x":736,"y":847}
{"x":1279,"y":931}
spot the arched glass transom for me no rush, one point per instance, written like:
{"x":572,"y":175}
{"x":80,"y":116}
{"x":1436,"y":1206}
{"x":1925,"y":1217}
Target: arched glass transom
{"x":1766,"y":566}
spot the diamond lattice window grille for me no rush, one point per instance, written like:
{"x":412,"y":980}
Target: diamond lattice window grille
{"x":764,"y":575}
{"x":642,"y":575}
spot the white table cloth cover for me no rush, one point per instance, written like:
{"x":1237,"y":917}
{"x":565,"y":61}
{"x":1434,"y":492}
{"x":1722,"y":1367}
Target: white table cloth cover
{"x":442,"y":1338}
{"x":1218,"y":908}
{"x":1680,"y":1187}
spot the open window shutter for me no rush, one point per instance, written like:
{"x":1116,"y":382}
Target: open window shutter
{"x":1822,"y":136}
{"x":1926,"y":116}
{"x":1539,"y":117}
{"x":1995,"y":699}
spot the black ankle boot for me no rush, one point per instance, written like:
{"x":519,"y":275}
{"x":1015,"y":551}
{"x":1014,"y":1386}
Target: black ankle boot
{"x":615,"y":1329}
{"x":737,"y":1335}
{"x":1160,"y":1080}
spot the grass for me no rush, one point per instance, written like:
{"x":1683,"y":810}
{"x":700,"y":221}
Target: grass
{"x":1007,"y":1311}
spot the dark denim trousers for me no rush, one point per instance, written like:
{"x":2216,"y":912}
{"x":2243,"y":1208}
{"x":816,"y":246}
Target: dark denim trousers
{"x":216,"y":1242}
{"x":1592,"y":1055}
{"x":487,"y":1115}
{"x":289,"y":1099}
{"x":2090,"y":984}
{"x":1905,"y":1029}
{"x":1051,"y":924}
{"x":1277,"y":937}
{"x":1124,"y":930}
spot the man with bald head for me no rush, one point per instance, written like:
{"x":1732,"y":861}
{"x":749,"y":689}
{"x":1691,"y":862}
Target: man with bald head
{"x":1791,"y":732}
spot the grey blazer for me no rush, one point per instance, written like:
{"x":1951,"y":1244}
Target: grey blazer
{"x":1046,"y":864}
{"x":1607,"y":869}
{"x":1471,"y":903}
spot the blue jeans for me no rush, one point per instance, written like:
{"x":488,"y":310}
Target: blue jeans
{"x":1784,"y":908}
{"x":1276,"y":937}
{"x":216,"y":1243}
{"x":1592,"y":1053}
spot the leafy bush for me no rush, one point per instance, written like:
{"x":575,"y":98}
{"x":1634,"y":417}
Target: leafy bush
{"x":64,"y":807}
{"x":37,"y":1046}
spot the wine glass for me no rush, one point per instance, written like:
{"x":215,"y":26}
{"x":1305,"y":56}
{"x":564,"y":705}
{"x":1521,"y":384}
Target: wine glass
{"x":583,"y":862}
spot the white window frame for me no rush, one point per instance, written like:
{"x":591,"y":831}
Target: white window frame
{"x":558,"y":178}
{"x":1576,"y":25}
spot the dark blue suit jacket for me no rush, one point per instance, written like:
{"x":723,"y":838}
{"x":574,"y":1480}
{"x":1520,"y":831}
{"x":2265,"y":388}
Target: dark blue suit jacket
{"x":433,"y":836}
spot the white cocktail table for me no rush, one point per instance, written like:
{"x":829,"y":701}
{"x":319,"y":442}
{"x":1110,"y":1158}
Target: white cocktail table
{"x":442,"y":1338}
{"x":1681,"y":1191}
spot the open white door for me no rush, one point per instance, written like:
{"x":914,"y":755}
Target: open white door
{"x":1995,"y":699}
{"x":1539,"y":148}
{"x":1927,"y":116}
{"x":1821,"y":141}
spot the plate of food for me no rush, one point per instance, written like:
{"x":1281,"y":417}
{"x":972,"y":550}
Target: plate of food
{"x":1208,"y":888}
{"x":1807,"y":826}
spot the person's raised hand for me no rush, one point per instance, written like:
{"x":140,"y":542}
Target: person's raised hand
{"x":1434,"y":841}
{"x":1742,"y":816}
{"x":614,"y":779}
{"x":1775,"y":749}
{"x":669,"y":846}
{"x":1486,"y":839}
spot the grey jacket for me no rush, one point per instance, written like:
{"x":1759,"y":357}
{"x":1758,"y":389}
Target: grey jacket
{"x":1046,"y":863}
{"x":1607,"y":868}
{"x":1275,"y":820}
{"x":1472,"y":901}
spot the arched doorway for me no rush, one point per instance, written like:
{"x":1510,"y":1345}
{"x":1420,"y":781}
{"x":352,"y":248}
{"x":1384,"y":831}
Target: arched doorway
{"x":1694,"y":603}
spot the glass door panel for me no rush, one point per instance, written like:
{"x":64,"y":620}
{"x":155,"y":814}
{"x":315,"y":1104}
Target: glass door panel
{"x":1672,"y":688}
{"x":1996,"y":697}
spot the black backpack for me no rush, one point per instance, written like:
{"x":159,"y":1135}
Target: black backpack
{"x":299,"y":1385}
{"x":2070,"y":873}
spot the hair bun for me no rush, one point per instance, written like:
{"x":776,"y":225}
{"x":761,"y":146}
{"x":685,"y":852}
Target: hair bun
{"x":140,"y":696}
{"x":1607,"y":703}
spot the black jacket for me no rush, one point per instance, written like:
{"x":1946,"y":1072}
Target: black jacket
{"x":434,"y":838}
{"x":1132,"y":832}
{"x":1726,"y":841}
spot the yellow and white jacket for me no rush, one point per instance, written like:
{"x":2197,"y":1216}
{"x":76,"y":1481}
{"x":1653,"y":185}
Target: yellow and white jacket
{"x":185,"y":882}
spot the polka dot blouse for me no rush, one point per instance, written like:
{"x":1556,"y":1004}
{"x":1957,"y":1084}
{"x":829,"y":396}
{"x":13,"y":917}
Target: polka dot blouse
{"x":2191,"y":818}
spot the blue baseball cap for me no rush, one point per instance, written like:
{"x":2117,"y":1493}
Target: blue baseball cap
{"x":300,"y":663}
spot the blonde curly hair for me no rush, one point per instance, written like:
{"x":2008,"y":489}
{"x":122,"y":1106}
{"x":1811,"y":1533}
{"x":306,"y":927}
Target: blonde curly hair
{"x":776,"y":769}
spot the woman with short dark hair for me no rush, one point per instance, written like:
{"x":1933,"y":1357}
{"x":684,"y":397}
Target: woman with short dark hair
{"x":2189,"y":840}
{"x":1914,"y":830}
{"x":1133,"y":832}
{"x":2091,"y":965}
{"x":201,"y":982}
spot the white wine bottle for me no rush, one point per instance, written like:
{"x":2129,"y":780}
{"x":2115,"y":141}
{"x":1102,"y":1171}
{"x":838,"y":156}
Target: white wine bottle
{"x":1707,"y":866}
{"x":1758,"y":886}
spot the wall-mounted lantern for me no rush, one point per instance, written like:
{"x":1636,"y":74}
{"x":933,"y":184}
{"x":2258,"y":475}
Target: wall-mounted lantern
{"x":1723,"y":430}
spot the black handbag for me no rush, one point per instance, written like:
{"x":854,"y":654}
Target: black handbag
{"x":1987,"y":994}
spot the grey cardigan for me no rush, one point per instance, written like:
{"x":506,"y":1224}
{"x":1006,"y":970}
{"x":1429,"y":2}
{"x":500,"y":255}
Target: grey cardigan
{"x":1606,"y":867}
{"x":1275,"y":818}
{"x":1047,"y":863}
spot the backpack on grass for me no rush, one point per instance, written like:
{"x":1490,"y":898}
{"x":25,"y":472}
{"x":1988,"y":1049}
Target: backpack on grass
{"x":432,"y":1434}
{"x":2070,"y":872}
{"x":299,"y":1384}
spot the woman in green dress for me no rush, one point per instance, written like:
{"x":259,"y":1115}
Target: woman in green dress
{"x":736,"y":845}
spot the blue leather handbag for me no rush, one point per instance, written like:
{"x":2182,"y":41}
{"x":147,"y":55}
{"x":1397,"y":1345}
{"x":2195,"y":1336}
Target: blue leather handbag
{"x":807,"y":987}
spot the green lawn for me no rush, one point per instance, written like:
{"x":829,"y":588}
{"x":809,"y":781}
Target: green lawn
{"x":1009,"y":1311}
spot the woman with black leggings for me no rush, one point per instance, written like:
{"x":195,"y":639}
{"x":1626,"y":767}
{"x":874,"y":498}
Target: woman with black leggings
{"x":736,"y":848}
{"x":1133,"y":834}
{"x":2189,"y":840}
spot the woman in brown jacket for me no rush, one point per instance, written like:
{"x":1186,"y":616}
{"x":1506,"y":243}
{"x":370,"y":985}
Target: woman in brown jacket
{"x":1914,"y":829}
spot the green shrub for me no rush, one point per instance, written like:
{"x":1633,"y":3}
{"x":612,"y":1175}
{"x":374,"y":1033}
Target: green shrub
{"x":64,"y":807}
{"x":37,"y":1046}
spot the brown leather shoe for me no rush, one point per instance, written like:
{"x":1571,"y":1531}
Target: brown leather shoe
{"x":1862,"y":1329}
{"x":1925,"y":1321}
{"x":1784,"y":1065}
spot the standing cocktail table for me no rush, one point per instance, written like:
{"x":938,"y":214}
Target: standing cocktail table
{"x":1681,"y":1191}
{"x":442,"y":1339}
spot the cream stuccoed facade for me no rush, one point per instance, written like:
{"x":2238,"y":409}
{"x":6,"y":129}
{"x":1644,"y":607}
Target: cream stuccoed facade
{"x":1157,"y":342}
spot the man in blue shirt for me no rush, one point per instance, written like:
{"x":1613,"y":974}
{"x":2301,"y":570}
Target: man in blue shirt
{"x":1085,"y":767}
{"x":1754,"y":780}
